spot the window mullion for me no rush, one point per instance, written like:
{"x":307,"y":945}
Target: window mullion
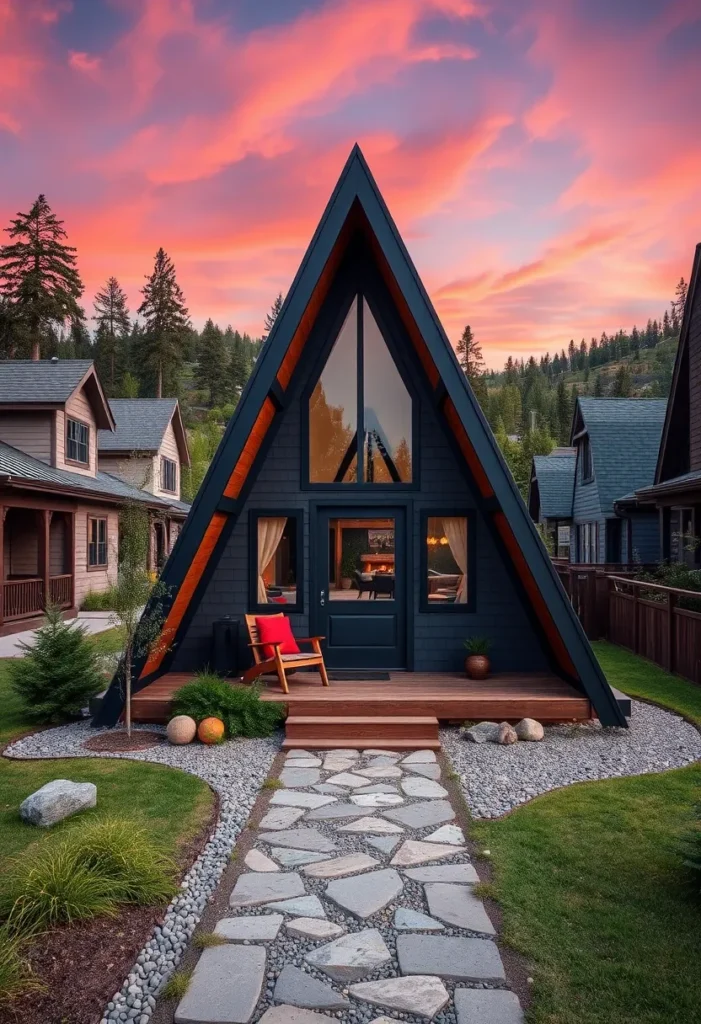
{"x":361,"y":396}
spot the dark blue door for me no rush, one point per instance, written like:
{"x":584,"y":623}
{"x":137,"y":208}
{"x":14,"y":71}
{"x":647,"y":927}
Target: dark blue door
{"x":359,"y":586}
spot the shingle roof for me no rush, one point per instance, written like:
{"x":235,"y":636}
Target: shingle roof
{"x":141,"y":424}
{"x":625,"y":440}
{"x":45,"y":380}
{"x":676,"y":483}
{"x":20,"y":466}
{"x":555,"y":476}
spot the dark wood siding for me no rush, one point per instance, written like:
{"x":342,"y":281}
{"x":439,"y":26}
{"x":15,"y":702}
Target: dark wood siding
{"x":694,"y":388}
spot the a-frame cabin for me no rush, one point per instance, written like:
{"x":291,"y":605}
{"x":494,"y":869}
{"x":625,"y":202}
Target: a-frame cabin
{"x":396,"y":557}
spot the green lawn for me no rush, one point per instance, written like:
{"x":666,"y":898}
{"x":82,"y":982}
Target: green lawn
{"x":592,"y":888}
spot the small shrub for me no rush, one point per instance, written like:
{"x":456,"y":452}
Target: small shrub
{"x":177,"y":985}
{"x":203,"y":940}
{"x":239,"y":707}
{"x":272,"y":784}
{"x":58,"y":675}
{"x":99,"y":601}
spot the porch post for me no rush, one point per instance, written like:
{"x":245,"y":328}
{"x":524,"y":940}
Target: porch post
{"x":3,"y":512}
{"x":69,"y":552}
{"x":45,"y":552}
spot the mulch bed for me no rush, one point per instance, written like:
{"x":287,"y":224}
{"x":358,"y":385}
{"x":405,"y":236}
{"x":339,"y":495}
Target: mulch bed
{"x":116,"y":741}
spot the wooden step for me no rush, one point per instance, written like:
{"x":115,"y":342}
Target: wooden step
{"x":359,"y":731}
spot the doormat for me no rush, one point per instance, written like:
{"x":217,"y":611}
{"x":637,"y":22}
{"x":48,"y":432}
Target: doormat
{"x":348,"y":675}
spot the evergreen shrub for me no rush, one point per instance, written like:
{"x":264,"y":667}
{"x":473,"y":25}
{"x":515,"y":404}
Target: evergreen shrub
{"x":239,"y":707}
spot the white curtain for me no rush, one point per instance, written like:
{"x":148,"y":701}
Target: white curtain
{"x":455,"y":529}
{"x":269,"y":536}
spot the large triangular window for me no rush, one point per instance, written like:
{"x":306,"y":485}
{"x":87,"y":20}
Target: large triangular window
{"x":360,"y":394}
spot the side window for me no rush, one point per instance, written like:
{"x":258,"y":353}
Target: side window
{"x":447,"y":558}
{"x":275,"y":564}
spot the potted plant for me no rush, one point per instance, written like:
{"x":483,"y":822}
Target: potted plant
{"x":348,"y":564}
{"x":477,"y":660}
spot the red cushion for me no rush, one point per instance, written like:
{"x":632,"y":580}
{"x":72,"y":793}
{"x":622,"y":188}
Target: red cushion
{"x":276,"y":629}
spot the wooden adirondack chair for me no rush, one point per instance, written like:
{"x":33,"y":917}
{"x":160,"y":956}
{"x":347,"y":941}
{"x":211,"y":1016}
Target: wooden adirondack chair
{"x":280,"y":662}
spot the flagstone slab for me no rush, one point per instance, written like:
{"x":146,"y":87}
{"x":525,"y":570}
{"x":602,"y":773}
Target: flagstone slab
{"x":225,"y":986}
{"x":463,"y":874}
{"x":351,"y":957}
{"x":389,"y":771}
{"x":334,"y":811}
{"x":423,"y":789}
{"x":262,"y":928}
{"x":377,"y":752}
{"x":305,"y":762}
{"x":452,"y":957}
{"x":385,"y":844}
{"x":420,"y":757}
{"x":298,"y":988}
{"x":293,"y":798}
{"x":327,"y":788}
{"x":300,"y":839}
{"x":413,"y":852}
{"x":302,"y":906}
{"x":364,"y":895}
{"x":381,"y":761}
{"x":487,"y":1006}
{"x":293,"y":1015}
{"x":294,"y":858}
{"x":299,"y":778}
{"x":313,"y":928}
{"x":281,"y":817}
{"x":339,"y":766}
{"x":340,"y":866}
{"x":423,"y":815}
{"x":457,"y":905}
{"x":251,"y":890}
{"x":420,"y":994}
{"x":378,"y":787}
{"x":256,"y":860}
{"x":370,"y":825}
{"x":350,"y":753}
{"x":294,"y":755}
{"x":406,"y":920}
{"x":429,"y":771}
{"x":377,"y":799}
{"x":349,"y":780}
{"x":451,"y":834}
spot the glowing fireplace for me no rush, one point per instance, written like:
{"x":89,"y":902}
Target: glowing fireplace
{"x":383,"y":562}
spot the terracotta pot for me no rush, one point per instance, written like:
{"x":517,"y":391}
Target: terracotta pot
{"x":345,"y":583}
{"x":477,"y":666}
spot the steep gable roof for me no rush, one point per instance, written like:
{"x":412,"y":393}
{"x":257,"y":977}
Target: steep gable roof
{"x":51,"y":382}
{"x":625,"y":438}
{"x":141,"y":424}
{"x":357,"y":206}
{"x":553,"y":476}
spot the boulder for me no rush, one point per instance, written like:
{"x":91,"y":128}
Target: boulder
{"x":57,"y":800}
{"x":529,"y":729}
{"x":181,"y":729}
{"x":506,"y":734}
{"x":483,"y":732}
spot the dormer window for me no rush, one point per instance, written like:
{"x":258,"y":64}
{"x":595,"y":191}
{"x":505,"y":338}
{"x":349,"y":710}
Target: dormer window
{"x":586,"y":460}
{"x":77,"y":442}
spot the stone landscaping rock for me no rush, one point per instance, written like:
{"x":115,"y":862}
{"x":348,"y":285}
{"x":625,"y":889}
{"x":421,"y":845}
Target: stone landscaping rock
{"x":299,"y":778}
{"x":451,"y":834}
{"x":305,"y":762}
{"x":351,"y":957}
{"x":347,"y":779}
{"x":424,"y":789}
{"x":253,"y":889}
{"x":423,"y":815}
{"x":327,"y":788}
{"x":334,"y":811}
{"x":298,"y":988}
{"x":385,"y":844}
{"x":388,"y":772}
{"x":506,"y":735}
{"x":57,"y":800}
{"x":364,"y":895}
{"x":406,"y":920}
{"x":300,"y":839}
{"x":463,"y":874}
{"x":293,"y":755}
{"x":378,"y":787}
{"x":377,"y":799}
{"x":256,"y":860}
{"x":382,"y":761}
{"x":340,"y":866}
{"x":281,"y":817}
{"x":311,"y":928}
{"x":487,"y":1006}
{"x":302,"y":906}
{"x":420,"y":757}
{"x":458,"y":906}
{"x":225,"y":986}
{"x":292,"y":1015}
{"x":420,"y":994}
{"x":483,"y":732}
{"x":262,"y":928}
{"x":348,"y":752}
{"x":374,"y":752}
{"x":292,"y":798}
{"x":428,"y":771}
{"x":339,"y":765}
{"x":294,"y":858}
{"x":452,"y":957}
{"x":371,"y":825}
{"x":413,"y":851}
{"x":530,"y":730}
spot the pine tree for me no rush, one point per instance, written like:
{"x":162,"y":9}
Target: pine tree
{"x":666,"y":325}
{"x":679,"y":301}
{"x":113,"y":325}
{"x":622,"y":383}
{"x":213,"y":366}
{"x":167,"y":325}
{"x":272,"y":316}
{"x":598,"y":386}
{"x":564,"y":411}
{"x":469,"y":353}
{"x":38,"y":274}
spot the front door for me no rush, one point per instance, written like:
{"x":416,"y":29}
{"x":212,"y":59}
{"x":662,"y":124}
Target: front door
{"x":359,"y":587}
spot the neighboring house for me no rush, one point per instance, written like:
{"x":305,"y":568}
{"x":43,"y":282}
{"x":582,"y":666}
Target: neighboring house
{"x":148,"y":448}
{"x":550,"y":495}
{"x":617,"y":440}
{"x":676,"y":489}
{"x":59,"y":511}
{"x":359,"y":489}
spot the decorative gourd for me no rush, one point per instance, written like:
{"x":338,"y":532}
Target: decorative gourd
{"x":181,"y":729}
{"x":211,"y":730}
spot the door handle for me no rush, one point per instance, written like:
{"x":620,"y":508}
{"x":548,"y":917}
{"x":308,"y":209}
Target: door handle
{"x":322,"y":595}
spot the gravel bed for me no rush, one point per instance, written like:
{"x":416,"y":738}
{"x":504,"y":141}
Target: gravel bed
{"x":235,"y":770}
{"x":495,"y":779}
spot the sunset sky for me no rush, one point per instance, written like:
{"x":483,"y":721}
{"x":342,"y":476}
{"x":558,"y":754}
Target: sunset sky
{"x":542,"y":158}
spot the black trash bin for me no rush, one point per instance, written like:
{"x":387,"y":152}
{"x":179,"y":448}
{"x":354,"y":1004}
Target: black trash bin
{"x":225,"y":646}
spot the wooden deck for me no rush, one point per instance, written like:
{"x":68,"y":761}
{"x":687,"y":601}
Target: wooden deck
{"x":446,"y":697}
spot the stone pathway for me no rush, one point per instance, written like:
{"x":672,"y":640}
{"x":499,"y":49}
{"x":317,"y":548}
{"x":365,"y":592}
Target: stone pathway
{"x":355,"y":903}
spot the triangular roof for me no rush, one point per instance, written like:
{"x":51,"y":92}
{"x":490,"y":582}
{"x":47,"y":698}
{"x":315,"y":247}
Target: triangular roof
{"x":551,"y":486}
{"x":357,"y":205}
{"x":49,"y":383}
{"x":141,"y":424}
